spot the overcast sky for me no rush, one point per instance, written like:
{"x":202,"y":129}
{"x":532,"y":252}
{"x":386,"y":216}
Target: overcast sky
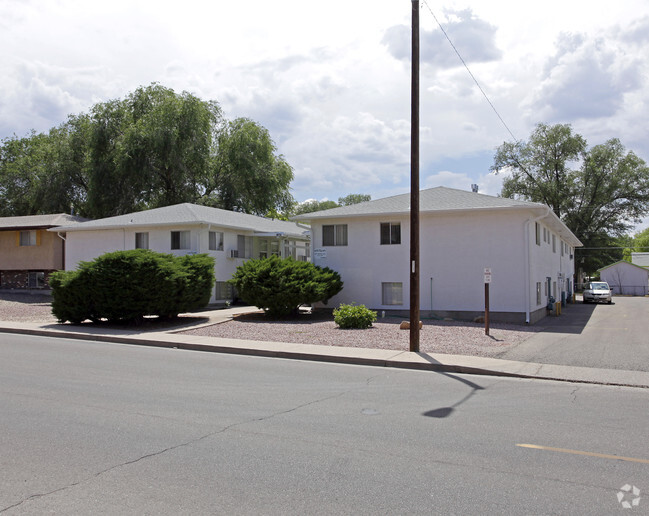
{"x":331,"y":80}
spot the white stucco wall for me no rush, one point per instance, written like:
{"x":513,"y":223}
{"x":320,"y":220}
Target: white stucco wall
{"x":454,"y":251}
{"x":88,"y":245}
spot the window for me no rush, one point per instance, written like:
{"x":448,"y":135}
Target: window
{"x":274,"y":247}
{"x":244,"y":246}
{"x":392,"y":293}
{"x":263,"y":249}
{"x":538,"y":233}
{"x":538,"y":292}
{"x":390,"y":233}
{"x":554,"y":243}
{"x":141,"y":240}
{"x":563,"y":246}
{"x":27,"y":238}
{"x":223,"y":290}
{"x":180,"y":239}
{"x":215,"y":241}
{"x":545,"y":235}
{"x":334,"y":235}
{"x":36,"y":280}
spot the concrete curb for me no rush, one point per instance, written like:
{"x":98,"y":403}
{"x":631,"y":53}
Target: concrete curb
{"x":357,"y":356}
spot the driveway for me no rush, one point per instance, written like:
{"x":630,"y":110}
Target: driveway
{"x":612,"y":336}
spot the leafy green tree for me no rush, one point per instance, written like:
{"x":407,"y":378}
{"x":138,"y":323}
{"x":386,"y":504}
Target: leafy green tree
{"x":637,"y":244}
{"x":311,"y":206}
{"x":280,"y":286}
{"x":153,"y":148}
{"x":353,"y":199}
{"x":598,"y":193}
{"x":247,"y":173}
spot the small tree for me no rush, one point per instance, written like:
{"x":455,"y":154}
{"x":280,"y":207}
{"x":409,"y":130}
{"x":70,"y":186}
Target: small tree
{"x":279,"y":286}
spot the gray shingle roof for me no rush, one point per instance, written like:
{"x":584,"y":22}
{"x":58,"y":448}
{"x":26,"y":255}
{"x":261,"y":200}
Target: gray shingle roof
{"x":443,"y":199}
{"x":433,"y":199}
{"x":39,"y":221}
{"x":186,"y":214}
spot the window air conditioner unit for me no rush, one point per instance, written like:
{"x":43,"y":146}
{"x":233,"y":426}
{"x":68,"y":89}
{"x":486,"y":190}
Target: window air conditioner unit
{"x":234,"y":253}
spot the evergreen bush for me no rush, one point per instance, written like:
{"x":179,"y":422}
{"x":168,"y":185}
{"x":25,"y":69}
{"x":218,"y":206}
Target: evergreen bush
{"x":128,"y":285}
{"x":354,"y":317}
{"x":279,"y":286}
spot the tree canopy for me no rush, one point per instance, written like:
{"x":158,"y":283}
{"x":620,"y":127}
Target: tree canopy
{"x":153,"y":148}
{"x":313,"y":205}
{"x":599,"y":193}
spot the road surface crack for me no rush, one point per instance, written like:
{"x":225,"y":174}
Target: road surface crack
{"x":166,"y":450}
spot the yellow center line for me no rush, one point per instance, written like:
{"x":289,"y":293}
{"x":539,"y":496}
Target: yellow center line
{"x":589,"y":454}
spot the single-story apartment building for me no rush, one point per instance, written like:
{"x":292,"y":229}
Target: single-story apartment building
{"x":230,"y":237}
{"x":28,"y":252}
{"x":626,"y":278}
{"x":525,"y":246}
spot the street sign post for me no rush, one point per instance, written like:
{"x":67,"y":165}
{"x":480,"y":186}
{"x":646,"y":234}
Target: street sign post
{"x":487,"y":282}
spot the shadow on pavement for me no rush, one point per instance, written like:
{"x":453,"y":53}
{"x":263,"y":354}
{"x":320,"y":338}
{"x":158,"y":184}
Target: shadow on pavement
{"x":573,"y":319}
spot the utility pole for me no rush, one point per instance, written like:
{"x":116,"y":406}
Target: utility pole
{"x":414,"y":183}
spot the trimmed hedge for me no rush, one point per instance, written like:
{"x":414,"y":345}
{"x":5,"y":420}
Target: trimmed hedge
{"x":354,"y":317}
{"x":128,"y":285}
{"x":280,"y":286}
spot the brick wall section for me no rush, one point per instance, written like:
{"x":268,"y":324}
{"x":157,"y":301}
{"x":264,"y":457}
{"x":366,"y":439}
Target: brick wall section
{"x":20,"y":279}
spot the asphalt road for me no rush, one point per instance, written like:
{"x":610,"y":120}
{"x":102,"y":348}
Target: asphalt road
{"x":99,"y":428}
{"x":614,"y":336}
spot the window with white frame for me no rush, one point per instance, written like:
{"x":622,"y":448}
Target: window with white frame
{"x":562,"y":245}
{"x":180,"y":240}
{"x":27,"y":238}
{"x":141,"y":240}
{"x":392,"y":293}
{"x":390,"y":233}
{"x":334,"y":235}
{"x":215,"y":241}
{"x":554,"y":243}
{"x":538,"y":293}
{"x":545,"y":234}
{"x":538,"y":233}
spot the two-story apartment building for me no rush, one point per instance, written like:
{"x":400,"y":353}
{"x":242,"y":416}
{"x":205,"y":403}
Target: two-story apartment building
{"x":29,"y":253}
{"x":527,"y":249}
{"x":230,"y":237}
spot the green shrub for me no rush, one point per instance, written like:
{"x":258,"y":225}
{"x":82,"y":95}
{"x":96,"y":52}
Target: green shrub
{"x":128,"y":285}
{"x":279,"y":286}
{"x":354,"y":316}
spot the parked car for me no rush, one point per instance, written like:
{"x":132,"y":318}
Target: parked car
{"x":596,"y":291}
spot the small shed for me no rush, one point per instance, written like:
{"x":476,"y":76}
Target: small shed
{"x":625,"y":278}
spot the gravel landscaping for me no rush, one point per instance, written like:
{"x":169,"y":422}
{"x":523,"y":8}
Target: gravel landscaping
{"x":452,"y":337}
{"x":26,"y":307}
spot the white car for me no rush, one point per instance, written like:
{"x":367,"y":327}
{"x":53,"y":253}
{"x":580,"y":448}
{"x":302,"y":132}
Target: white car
{"x":596,"y":291}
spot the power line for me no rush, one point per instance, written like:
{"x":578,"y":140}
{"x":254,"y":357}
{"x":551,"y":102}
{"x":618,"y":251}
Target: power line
{"x":470,"y":73}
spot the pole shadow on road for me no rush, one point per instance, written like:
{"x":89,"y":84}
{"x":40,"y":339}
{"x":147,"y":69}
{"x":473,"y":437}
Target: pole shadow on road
{"x":443,"y":412}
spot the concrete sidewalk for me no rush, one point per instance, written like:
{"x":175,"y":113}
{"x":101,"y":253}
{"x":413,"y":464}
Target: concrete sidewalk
{"x":361,"y":356}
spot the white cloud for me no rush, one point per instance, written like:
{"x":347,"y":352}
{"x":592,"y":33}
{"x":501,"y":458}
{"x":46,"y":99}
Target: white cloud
{"x":331,"y":81}
{"x":471,"y":36}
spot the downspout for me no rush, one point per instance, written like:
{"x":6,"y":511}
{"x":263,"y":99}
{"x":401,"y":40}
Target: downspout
{"x":58,"y":233}
{"x":528,"y":260}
